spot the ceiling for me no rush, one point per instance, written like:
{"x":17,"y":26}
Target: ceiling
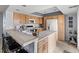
{"x":40,"y":10}
{"x":67,"y":9}
{"x":3,"y":8}
{"x":49,"y":10}
{"x":30,"y":9}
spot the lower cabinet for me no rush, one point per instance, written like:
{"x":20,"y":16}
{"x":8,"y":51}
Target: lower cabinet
{"x":43,"y":45}
{"x":47,"y":44}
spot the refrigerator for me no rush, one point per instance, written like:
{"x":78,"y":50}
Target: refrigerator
{"x":52,"y":25}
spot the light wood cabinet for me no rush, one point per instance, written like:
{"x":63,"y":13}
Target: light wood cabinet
{"x":16,"y":18}
{"x":19,"y":18}
{"x":37,"y":20}
{"x":50,"y":17}
{"x":40,"y":21}
{"x":22,"y":19}
{"x":43,"y":45}
{"x":27,"y":19}
{"x":47,"y":44}
{"x":61,"y":27}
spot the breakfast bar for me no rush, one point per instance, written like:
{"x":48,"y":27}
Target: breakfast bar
{"x":43,"y":43}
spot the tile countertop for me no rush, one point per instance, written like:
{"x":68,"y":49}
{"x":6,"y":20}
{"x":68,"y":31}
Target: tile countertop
{"x":22,"y":38}
{"x":44,"y":34}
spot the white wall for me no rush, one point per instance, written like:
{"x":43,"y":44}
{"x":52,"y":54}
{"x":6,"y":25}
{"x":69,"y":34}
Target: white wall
{"x":74,"y":15}
{"x":78,"y":27}
{"x":7,"y":20}
{"x":1,"y":24}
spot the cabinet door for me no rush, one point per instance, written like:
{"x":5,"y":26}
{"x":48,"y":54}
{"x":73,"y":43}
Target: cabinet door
{"x":22,"y":19}
{"x":40,"y":21}
{"x":37,"y":20}
{"x":27,"y":19}
{"x":16,"y":18}
{"x":19,"y":18}
{"x":43,"y":46}
{"x":61,"y":27}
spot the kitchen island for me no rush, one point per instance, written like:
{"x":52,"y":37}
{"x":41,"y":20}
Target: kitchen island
{"x":45,"y":42}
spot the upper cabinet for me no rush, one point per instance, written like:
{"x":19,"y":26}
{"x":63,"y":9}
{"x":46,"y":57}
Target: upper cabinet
{"x":37,"y":20}
{"x":22,"y":19}
{"x":27,"y":19}
{"x":16,"y":18}
{"x":40,"y":20}
{"x":50,"y":17}
{"x":19,"y":18}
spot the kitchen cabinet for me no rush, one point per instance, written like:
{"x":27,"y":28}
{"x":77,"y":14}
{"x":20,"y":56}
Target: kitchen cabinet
{"x":37,"y":20}
{"x":50,"y":17}
{"x":43,"y":45}
{"x":22,"y":19}
{"x":19,"y":18}
{"x":16,"y":18}
{"x":61,"y":27}
{"x":40,"y":21}
{"x":27,"y":19}
{"x":48,"y":43}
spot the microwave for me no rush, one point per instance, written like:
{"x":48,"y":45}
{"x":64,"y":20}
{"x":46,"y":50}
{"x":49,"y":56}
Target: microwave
{"x":31,"y":21}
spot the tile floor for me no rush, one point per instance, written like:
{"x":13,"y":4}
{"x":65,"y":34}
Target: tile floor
{"x":63,"y":47}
